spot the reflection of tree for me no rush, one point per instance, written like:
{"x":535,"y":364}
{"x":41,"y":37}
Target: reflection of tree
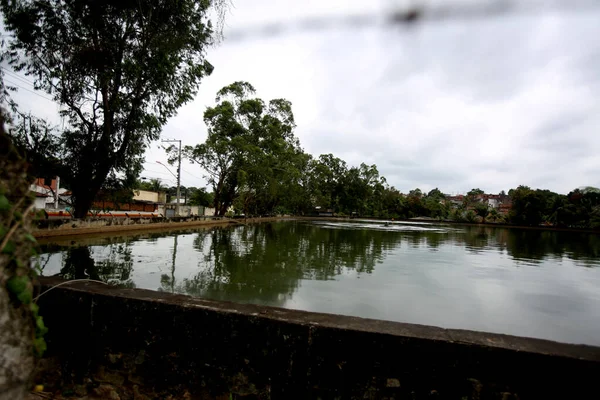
{"x":115,"y":268}
{"x":167,"y":283}
{"x":263,"y":263}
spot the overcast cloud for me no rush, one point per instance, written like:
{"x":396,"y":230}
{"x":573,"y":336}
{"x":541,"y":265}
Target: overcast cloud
{"x":489,"y":103}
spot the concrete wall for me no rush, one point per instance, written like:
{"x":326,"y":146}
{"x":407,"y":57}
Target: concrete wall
{"x":39,"y":203}
{"x":67,"y":227}
{"x":136,"y":343}
{"x":145,"y":195}
{"x":209,"y":211}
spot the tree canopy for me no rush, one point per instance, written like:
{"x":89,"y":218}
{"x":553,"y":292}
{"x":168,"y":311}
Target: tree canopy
{"x":118,"y":69}
{"x":253,"y":162}
{"x":251,"y":155}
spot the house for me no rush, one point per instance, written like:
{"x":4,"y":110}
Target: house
{"x":456,"y":200}
{"x":40,"y":201}
{"x":494,"y":200}
{"x":143,"y":200}
{"x":49,"y":194}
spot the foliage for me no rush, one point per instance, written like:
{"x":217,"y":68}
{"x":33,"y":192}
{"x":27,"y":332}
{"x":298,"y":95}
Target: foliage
{"x":153,"y":185}
{"x":17,"y":246}
{"x":200,"y":197}
{"x":482,"y":210}
{"x":250,"y":155}
{"x":119,"y":70}
{"x":254,"y":162}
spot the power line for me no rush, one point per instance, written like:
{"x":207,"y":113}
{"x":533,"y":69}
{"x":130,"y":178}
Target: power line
{"x":190,"y":174}
{"x":30,"y":91}
{"x":14,"y":75}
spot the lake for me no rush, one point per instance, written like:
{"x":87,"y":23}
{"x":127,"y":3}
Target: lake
{"x":532,"y":283}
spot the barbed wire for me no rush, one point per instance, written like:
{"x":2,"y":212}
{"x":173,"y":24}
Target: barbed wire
{"x":420,"y":13}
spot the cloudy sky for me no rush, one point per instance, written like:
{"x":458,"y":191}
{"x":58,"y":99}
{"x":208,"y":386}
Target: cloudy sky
{"x":451,"y":103}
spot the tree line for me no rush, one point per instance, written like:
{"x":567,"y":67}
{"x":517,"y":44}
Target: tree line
{"x":254,"y":163}
{"x":118,"y":74}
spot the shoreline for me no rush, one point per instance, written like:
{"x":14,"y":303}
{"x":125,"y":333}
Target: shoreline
{"x":70,"y":230}
{"x":65,"y":232}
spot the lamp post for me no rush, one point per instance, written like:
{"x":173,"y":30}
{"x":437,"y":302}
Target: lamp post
{"x":178,"y":171}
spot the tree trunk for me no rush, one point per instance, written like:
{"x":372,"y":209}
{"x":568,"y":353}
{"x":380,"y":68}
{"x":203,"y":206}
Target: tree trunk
{"x":82,"y":204}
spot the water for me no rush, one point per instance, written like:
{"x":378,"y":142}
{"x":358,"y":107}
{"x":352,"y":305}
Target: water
{"x":521,"y":282}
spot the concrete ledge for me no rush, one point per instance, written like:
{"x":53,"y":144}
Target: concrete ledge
{"x":161,"y":344}
{"x":54,"y":228}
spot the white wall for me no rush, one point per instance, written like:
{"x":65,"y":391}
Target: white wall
{"x":39,"y":203}
{"x":146,"y":195}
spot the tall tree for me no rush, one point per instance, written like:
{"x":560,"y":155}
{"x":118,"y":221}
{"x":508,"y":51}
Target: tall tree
{"x":250,"y":153}
{"x":118,"y":68}
{"x":527,"y":206}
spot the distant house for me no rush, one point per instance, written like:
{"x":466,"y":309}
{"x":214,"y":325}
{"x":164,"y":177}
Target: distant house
{"x":143,"y":200}
{"x":494,"y":200}
{"x":456,"y":200}
{"x":46,"y":191}
{"x":40,"y":200}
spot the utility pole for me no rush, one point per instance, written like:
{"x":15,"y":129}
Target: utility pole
{"x":178,"y":174}
{"x":56,"y":198}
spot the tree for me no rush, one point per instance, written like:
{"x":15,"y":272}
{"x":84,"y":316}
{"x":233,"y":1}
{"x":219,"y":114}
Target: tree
{"x":250,"y":155}
{"x":435,"y":204}
{"x":475,"y":192}
{"x":118,"y":69}
{"x":327,"y":176}
{"x":482,"y":210}
{"x":200,"y":197}
{"x":527,"y":206}
{"x":494,"y":215}
{"x":472,"y":196}
{"x":153,"y":185}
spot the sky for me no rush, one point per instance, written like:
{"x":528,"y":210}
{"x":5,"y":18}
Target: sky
{"x":489,"y":102}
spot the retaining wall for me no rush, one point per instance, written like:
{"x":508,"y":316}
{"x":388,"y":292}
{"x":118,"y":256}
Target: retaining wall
{"x":140,"y":344}
{"x":69,"y":227}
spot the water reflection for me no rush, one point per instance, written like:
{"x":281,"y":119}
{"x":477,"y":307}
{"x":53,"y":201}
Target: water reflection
{"x":465,"y":277}
{"x":114,"y":267}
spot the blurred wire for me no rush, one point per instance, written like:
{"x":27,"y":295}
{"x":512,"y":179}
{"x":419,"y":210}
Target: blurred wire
{"x":417,"y":13}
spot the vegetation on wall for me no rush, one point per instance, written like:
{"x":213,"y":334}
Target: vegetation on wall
{"x":21,"y":328}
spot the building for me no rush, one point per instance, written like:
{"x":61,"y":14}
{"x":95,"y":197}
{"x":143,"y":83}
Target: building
{"x":49,"y":195}
{"x":456,"y":200}
{"x":143,"y":201}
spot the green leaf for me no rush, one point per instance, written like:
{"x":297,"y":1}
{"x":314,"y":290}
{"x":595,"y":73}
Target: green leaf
{"x":39,"y":324}
{"x":9,"y":248}
{"x":4,"y":203}
{"x":26,"y":296}
{"x":30,"y":237}
{"x":39,"y":346}
{"x":17,"y":284}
